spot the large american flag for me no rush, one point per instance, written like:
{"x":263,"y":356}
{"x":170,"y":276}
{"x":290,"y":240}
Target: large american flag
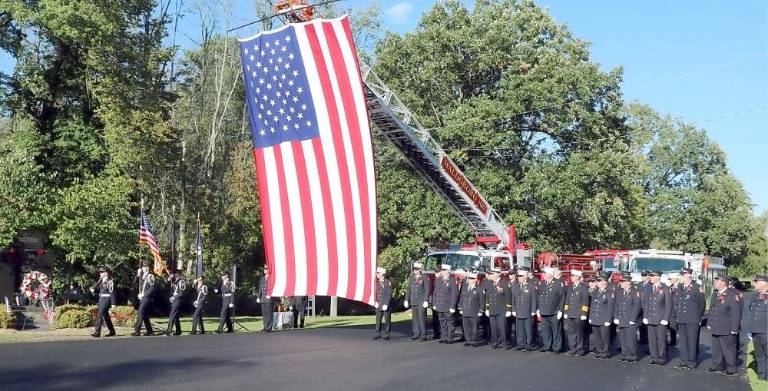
{"x":314,"y":160}
{"x":146,"y":237}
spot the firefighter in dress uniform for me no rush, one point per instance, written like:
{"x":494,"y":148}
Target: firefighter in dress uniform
{"x":444,"y":300}
{"x":199,"y":304}
{"x":601,"y":315}
{"x":146,"y":288}
{"x":106,"y":288}
{"x":178,"y":286}
{"x":298,"y":308}
{"x":265,"y":300}
{"x":550,"y":301}
{"x":471,"y":303}
{"x":657,"y":310}
{"x":672,"y":283}
{"x":498,"y":308}
{"x":690,"y":304}
{"x":524,"y":308}
{"x":754,"y":321}
{"x":383,"y":304}
{"x":645,"y":288}
{"x":723,"y":322}
{"x":627,"y":318}
{"x":227,"y":290}
{"x":418,"y":295}
{"x":575,"y":313}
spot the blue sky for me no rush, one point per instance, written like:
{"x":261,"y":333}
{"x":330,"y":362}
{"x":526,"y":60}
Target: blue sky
{"x":704,"y":61}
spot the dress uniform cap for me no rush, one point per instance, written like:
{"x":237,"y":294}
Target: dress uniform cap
{"x":225,"y":273}
{"x":577,"y":273}
{"x":626,"y":277}
{"x":654,"y":273}
{"x":472,"y":275}
{"x":521,"y":272}
{"x":722,"y":278}
{"x":445,"y":266}
{"x":524,"y":268}
{"x":761,"y":277}
{"x":495,"y":270}
{"x":686,"y":270}
{"x":417,"y":265}
{"x":636,"y":277}
{"x":674,"y":275}
{"x":644,"y":273}
{"x":103,"y":270}
{"x":548,"y":270}
{"x":381,"y":270}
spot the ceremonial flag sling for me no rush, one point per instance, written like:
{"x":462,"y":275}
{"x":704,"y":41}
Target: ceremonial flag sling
{"x":314,"y":160}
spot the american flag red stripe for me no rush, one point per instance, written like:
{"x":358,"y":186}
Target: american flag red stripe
{"x":146,"y":237}
{"x":316,"y":184}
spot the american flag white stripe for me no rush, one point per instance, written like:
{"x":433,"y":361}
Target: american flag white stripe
{"x":319,"y":193}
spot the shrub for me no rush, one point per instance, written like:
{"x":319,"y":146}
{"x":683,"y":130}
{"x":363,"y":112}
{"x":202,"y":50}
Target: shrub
{"x":124,"y":315}
{"x":68,"y":307}
{"x":7,"y":320}
{"x":73,"y":319}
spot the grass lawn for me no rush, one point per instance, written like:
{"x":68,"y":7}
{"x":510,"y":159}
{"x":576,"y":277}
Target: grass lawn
{"x":757,"y":385}
{"x":251,"y":323}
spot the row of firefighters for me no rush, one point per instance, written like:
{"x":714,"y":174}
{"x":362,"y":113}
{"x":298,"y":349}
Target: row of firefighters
{"x":586,"y":312}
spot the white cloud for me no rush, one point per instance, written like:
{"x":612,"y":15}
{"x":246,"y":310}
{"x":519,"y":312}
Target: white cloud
{"x":399,"y":12}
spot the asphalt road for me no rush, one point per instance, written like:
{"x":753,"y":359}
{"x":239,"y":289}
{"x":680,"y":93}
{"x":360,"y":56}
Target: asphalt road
{"x":326,"y":359}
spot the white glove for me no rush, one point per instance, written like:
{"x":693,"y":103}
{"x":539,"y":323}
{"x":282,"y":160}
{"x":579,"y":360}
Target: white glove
{"x":269,"y":297}
{"x":664,"y":322}
{"x":231,"y":305}
{"x":631,"y":323}
{"x":376,"y":304}
{"x":290,"y":308}
{"x":461,"y":312}
{"x":171,"y":300}
{"x":734,"y":332}
{"x":384,"y":307}
{"x":749,"y":335}
{"x":487,"y":313}
{"x":258,"y":300}
{"x":607,"y":324}
{"x":138,"y":272}
{"x":538,"y":313}
{"x":453,"y":311}
{"x":615,"y":321}
{"x":215,"y":290}
{"x":645,"y":320}
{"x":405,"y":304}
{"x":508,"y":314}
{"x":113,"y":307}
{"x":91,"y":289}
{"x":425,"y":304}
{"x":559,"y":315}
{"x":534,"y":313}
{"x":194,"y":303}
{"x":514,"y":313}
{"x":141,"y":296}
{"x":583,"y":317}
{"x":480,"y":313}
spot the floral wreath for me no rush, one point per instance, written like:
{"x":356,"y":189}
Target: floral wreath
{"x":36,"y":285}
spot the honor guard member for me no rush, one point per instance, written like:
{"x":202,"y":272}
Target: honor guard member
{"x":471,"y":303}
{"x":672,"y":283}
{"x":265,"y":300}
{"x":601,"y":315}
{"x":754,"y":320}
{"x":299,"y":307}
{"x":199,"y":303}
{"x":644,"y":287}
{"x":575,"y":313}
{"x":550,"y":300}
{"x":178,"y":286}
{"x":227,"y":290}
{"x":418,"y":295}
{"x":524,"y":306}
{"x":723,"y":322}
{"x":444,"y":300}
{"x":383,"y":304}
{"x":146,"y":288}
{"x":498,"y":308}
{"x":657,"y":309}
{"x":106,"y":292}
{"x":626,"y":318}
{"x":689,"y":302}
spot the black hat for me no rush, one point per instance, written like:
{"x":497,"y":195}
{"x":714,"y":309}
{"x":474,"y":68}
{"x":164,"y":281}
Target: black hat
{"x":524,"y":269}
{"x":723,"y":277}
{"x":103,"y":270}
{"x":760,"y":277}
{"x":644,"y":273}
{"x":225,"y":273}
{"x":654,"y":273}
{"x":603,"y":277}
{"x":626,"y":277}
{"x":686,"y":270}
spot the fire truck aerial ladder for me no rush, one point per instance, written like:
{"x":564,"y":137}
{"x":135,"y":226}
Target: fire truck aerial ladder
{"x":396,"y":122}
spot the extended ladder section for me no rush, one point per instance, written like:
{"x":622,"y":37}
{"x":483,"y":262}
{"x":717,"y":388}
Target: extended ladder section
{"x":423,"y":153}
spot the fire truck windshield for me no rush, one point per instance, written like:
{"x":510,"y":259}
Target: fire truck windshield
{"x":665,"y":265}
{"x":457,"y":261}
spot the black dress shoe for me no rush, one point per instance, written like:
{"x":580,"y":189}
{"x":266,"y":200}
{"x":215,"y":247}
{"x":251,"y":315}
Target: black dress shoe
{"x":414,"y":338}
{"x":423,"y":339}
{"x":193,"y":333}
{"x":713,"y":370}
{"x":111,"y":334}
{"x":377,"y":337}
{"x":149,"y":333}
{"x":729,"y":373}
{"x":542,"y":350}
{"x":135,"y":333}
{"x":680,"y":366}
{"x":95,"y":335}
{"x":467,"y":344}
{"x":386,"y":338}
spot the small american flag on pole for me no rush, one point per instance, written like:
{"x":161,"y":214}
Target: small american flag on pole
{"x":146,"y":237}
{"x":314,"y":160}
